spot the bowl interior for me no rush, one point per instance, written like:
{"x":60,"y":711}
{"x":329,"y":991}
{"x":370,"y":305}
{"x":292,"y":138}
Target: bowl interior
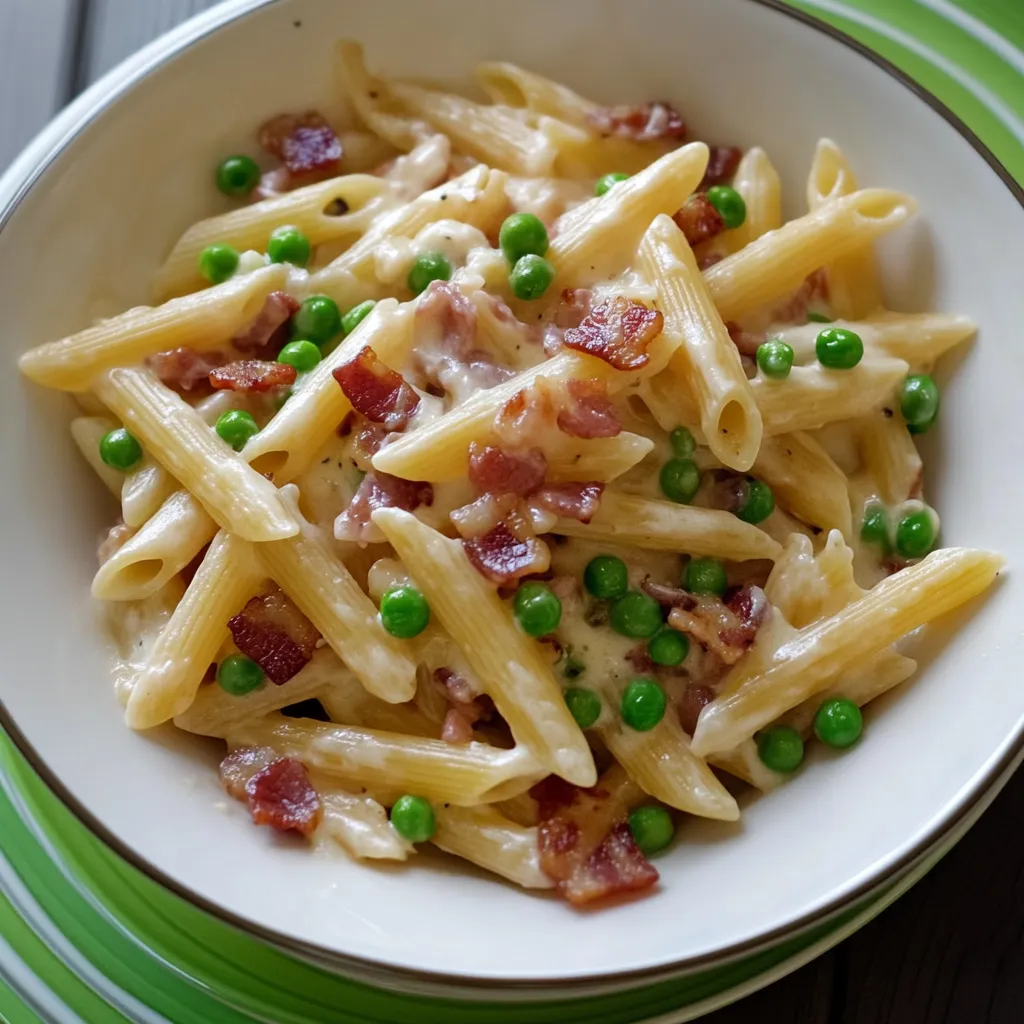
{"x":96,"y":223}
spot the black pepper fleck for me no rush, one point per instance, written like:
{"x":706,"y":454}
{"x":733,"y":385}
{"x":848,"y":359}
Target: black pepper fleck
{"x":887,"y":413}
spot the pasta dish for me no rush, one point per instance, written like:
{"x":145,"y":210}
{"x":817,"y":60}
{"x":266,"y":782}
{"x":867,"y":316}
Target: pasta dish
{"x":504,"y":473}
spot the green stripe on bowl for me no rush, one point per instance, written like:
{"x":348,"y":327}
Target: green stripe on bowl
{"x":211,"y":961}
{"x":1002,"y":16}
{"x":13,"y":1010}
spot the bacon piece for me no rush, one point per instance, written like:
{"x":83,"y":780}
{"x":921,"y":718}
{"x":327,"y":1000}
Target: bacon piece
{"x":457,"y":728}
{"x":747,"y":342}
{"x":481,"y":516}
{"x":750,"y":606}
{"x":588,"y":411}
{"x":709,"y":259}
{"x":494,"y":470}
{"x":241,"y":765}
{"x":304,"y":143}
{"x":252,"y":375}
{"x":507,"y":552}
{"x":794,"y":309}
{"x":695,"y":698}
{"x":698,"y":219}
{"x":272,"y":631}
{"x":379,"y":490}
{"x":644,"y":122}
{"x":366,"y":442}
{"x":185,"y":369}
{"x":377,"y":391}
{"x":585,"y":844}
{"x":727,"y":630}
{"x":469,"y":706}
{"x":282,"y":796}
{"x":722,"y":164}
{"x":573,"y":500}
{"x":618,"y":331}
{"x":639,"y":657}
{"x":269,"y":331}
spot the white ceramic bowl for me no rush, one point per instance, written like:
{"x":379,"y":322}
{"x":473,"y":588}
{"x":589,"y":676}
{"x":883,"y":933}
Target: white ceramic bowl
{"x":93,"y":206}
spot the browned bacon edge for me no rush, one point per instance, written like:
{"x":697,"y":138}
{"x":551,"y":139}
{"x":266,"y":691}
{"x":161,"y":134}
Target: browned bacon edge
{"x":644,"y":122}
{"x":379,"y":490}
{"x":377,"y":391}
{"x":252,"y":375}
{"x":698,"y":219}
{"x":305,"y":143}
{"x":578,"y":501}
{"x":272,"y":631}
{"x":618,"y":331}
{"x":268,"y":333}
{"x":588,"y":412}
{"x":503,"y":556}
{"x":277,"y":789}
{"x":722,"y":164}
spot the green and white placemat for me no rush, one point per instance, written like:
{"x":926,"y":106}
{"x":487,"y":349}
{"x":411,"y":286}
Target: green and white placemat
{"x":86,"y":937}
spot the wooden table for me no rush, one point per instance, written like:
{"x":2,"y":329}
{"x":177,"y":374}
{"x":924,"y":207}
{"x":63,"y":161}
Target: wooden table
{"x":949,"y":952}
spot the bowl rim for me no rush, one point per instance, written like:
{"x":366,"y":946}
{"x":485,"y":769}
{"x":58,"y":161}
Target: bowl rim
{"x":15,"y":184}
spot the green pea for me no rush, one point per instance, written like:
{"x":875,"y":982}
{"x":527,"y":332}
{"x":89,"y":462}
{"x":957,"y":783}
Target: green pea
{"x":757,"y":503}
{"x":652,"y":829}
{"x":288,"y":244}
{"x":668,"y":646}
{"x":538,"y":611}
{"x":218,"y":262}
{"x":874,"y":528}
{"x":682,"y":442}
{"x":413,"y":818}
{"x":915,"y":534}
{"x":404,"y":611}
{"x":531,"y":277}
{"x":237,"y":175}
{"x":729,"y":203}
{"x":636,"y":615}
{"x":919,"y":402}
{"x":239,"y":675}
{"x":522,"y":234}
{"x":430,"y":266}
{"x":780,"y":748}
{"x":317,"y":319}
{"x":236,"y":427}
{"x":775,"y":358}
{"x":606,"y":181}
{"x":679,"y":480}
{"x":839,"y":349}
{"x":819,"y":318}
{"x":584,"y":706}
{"x":643,"y":704}
{"x":705,"y":576}
{"x":355,"y":316}
{"x":303,"y":355}
{"x":606,"y":577}
{"x":120,"y":450}
{"x":838,"y":723}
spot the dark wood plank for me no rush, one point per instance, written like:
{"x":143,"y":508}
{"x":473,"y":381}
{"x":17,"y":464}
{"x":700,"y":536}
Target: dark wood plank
{"x":804,"y":997}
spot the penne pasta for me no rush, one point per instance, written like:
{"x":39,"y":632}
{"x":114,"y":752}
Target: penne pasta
{"x":758,"y":183}
{"x":706,"y":360}
{"x":87,"y":432}
{"x":145,"y":489}
{"x":889,"y":455}
{"x":508,"y":663}
{"x":359,"y":824}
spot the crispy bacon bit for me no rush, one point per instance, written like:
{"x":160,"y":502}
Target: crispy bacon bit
{"x":639,"y":657}
{"x":379,"y":490}
{"x":481,"y":516}
{"x":644,"y":122}
{"x":449,"y":317}
{"x":269,"y":330}
{"x":698,"y":219}
{"x":469,"y":706}
{"x":252,"y":375}
{"x":746,"y":341}
{"x":184,"y":368}
{"x":272,"y":631}
{"x":454,"y":687}
{"x":585,"y":844}
{"x":496,"y":471}
{"x":618,"y":331}
{"x":692,"y":703}
{"x":241,"y":765}
{"x":304,"y":143}
{"x":722,"y":164}
{"x":794,"y":310}
{"x":727,"y":630}
{"x":282,"y":796}
{"x":750,"y":607}
{"x":588,"y":411}
{"x":578,"y":501}
{"x":504,"y":556}
{"x":377,"y":391}
{"x":368,"y":439}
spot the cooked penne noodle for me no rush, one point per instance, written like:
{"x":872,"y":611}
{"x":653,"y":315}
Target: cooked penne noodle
{"x":237,"y":496}
{"x":188,"y":644}
{"x":706,"y":359}
{"x":202,"y":321}
{"x":360,"y":197}
{"x":889,"y":455}
{"x":600,"y":458}
{"x":758,"y":183}
{"x":317,"y":581}
{"x":812,"y":396}
{"x":161,"y":548}
{"x":667,"y":526}
{"x":745,"y":763}
{"x":601,"y":238}
{"x":473,"y":773}
{"x":513,"y":86}
{"x":804,"y":665}
{"x":805,"y":479}
{"x":780,"y":261}
{"x":661,"y":762}
{"x":508,"y":663}
{"x":490,"y":840}
{"x":359,"y":824}
{"x":853,"y":287}
{"x":145,"y":489}
{"x":87,"y":432}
